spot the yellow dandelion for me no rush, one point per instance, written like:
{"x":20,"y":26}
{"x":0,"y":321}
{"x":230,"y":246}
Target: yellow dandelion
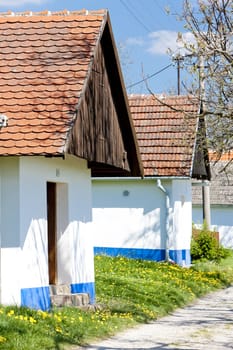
{"x":10,"y":313}
{"x":43,"y":314}
{"x":58,"y":318}
{"x":2,"y":339}
{"x":32,"y":320}
{"x":58,"y":329}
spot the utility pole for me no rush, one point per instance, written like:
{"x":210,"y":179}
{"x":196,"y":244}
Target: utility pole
{"x":205,"y":184}
{"x":178,"y":59}
{"x":206,"y":203}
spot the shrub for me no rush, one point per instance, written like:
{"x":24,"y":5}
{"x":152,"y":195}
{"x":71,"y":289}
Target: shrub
{"x":205,"y":246}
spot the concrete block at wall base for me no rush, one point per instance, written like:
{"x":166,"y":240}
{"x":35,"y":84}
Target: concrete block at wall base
{"x":81,"y":299}
{"x":59,"y":289}
{"x":78,"y":300}
{"x":61,"y":300}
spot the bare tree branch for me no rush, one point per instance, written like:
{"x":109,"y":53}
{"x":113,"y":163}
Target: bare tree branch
{"x":212,"y":27}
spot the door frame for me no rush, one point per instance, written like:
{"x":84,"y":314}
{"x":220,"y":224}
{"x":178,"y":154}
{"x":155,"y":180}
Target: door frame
{"x":51,"y":191}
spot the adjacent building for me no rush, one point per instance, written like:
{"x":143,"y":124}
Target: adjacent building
{"x":151,"y":217}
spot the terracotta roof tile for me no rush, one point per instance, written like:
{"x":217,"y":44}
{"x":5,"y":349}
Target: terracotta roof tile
{"x":227,"y":156}
{"x":166,"y":129}
{"x":44,"y":61}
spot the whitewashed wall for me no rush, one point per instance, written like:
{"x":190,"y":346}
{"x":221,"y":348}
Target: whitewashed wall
{"x":24,"y":255}
{"x":129,"y":218}
{"x":10,"y":231}
{"x":221,"y":221}
{"x":182,"y":219}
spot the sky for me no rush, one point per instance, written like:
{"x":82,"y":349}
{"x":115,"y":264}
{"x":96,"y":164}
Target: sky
{"x":143,"y":32}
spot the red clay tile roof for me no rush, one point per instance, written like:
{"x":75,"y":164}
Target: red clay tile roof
{"x":166,"y":133}
{"x":44,"y":61}
{"x":227,"y":156}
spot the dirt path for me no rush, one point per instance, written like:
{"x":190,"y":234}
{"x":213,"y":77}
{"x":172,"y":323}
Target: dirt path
{"x":206,"y":324}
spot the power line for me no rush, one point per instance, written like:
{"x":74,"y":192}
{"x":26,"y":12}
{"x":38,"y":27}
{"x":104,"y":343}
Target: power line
{"x":150,"y":76}
{"x":149,"y":13}
{"x":133,"y":10}
{"x":135,"y":16}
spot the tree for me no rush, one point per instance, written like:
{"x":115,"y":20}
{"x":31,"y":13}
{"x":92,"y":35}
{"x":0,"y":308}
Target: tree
{"x":211,"y":55}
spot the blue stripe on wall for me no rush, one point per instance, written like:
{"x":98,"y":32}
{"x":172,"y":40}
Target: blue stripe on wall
{"x":88,"y":288}
{"x":36,"y":298}
{"x":180,"y":257}
{"x":134,"y":253}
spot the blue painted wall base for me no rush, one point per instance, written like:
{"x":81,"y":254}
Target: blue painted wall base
{"x":36,"y":298}
{"x":88,"y":288}
{"x":180,"y":257}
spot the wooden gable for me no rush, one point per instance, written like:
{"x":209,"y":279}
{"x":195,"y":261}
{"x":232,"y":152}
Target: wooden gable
{"x":103,"y":131}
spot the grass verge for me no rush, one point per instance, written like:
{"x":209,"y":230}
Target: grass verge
{"x":130,"y":291}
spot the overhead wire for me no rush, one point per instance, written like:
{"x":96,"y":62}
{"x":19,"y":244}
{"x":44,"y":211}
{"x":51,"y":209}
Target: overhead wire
{"x":149,"y":76}
{"x":147,"y":9}
{"x":147,"y":29}
{"x":136,"y":17}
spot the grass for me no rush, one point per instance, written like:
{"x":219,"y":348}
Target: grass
{"x":130,"y":291}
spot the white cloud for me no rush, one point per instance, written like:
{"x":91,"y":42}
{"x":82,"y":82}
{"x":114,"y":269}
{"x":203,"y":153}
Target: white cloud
{"x":18,"y":3}
{"x":135,"y":41}
{"x":163,"y":40}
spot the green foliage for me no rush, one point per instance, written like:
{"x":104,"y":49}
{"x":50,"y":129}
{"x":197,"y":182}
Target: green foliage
{"x":131,"y":285}
{"x":22,"y":328}
{"x":130,"y":291}
{"x":205,"y":246}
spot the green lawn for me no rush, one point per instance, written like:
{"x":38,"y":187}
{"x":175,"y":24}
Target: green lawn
{"x":129,"y":292}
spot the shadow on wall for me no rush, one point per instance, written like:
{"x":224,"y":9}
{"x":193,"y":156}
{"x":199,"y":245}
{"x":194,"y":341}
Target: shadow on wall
{"x":35,"y":251}
{"x":150,"y":234}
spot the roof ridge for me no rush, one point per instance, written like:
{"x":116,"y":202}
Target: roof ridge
{"x":53,"y":13}
{"x":161,"y":96}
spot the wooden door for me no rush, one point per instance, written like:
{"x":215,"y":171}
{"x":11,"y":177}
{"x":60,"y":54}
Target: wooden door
{"x":52,"y":228}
